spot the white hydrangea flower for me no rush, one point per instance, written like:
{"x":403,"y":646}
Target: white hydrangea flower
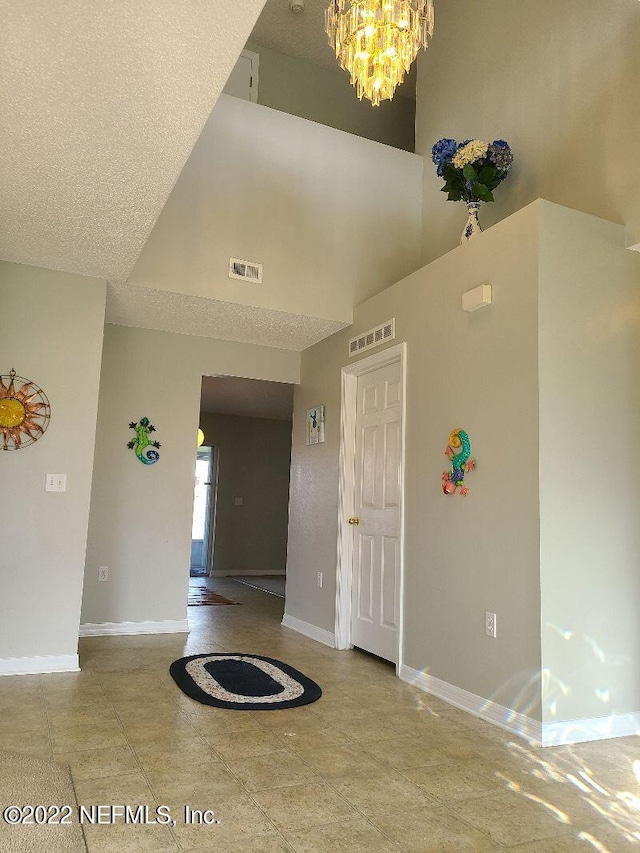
{"x":474,"y":150}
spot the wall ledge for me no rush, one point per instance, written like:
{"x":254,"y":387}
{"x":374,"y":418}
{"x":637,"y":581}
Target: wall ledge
{"x":309,"y":630}
{"x":40,"y":664}
{"x":112,"y":629}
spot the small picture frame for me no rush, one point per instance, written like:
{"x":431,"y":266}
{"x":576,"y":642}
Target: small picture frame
{"x":315,"y":425}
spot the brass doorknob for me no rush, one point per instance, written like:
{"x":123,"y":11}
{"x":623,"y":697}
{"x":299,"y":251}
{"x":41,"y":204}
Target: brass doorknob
{"x":354,"y":521}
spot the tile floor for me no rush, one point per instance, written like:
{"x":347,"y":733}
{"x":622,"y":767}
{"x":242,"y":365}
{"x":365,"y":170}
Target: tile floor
{"x":375,"y":766}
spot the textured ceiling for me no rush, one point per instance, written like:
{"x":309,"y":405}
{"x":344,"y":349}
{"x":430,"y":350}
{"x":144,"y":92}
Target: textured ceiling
{"x":145,"y":308}
{"x":303,"y":36}
{"x":101,"y":102}
{"x":252,"y":398}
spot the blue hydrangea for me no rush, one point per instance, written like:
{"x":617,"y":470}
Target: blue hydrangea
{"x":501,"y":155}
{"x":442,"y":152}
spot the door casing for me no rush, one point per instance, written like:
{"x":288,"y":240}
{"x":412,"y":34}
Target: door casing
{"x":347,"y":489}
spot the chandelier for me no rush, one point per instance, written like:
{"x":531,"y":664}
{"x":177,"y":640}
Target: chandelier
{"x":377,"y":40}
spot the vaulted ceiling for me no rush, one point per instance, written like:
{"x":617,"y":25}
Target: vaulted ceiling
{"x":100,"y":105}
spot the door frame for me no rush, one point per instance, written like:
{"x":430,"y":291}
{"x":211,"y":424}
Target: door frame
{"x":347,"y":489}
{"x":213,"y":505}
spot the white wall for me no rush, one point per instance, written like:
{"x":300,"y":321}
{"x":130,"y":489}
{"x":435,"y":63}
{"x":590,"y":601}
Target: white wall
{"x":560,"y":82}
{"x":253,"y":463}
{"x":318,"y":94}
{"x":333,"y":218}
{"x":51,"y":332}
{"x":589,"y":466}
{"x":140,"y":522}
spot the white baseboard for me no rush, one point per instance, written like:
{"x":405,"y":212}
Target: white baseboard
{"x":309,"y":630}
{"x":248,"y":573}
{"x":37,"y":665}
{"x":592,"y":728}
{"x":505,"y":718}
{"x":542,"y":734}
{"x":112,"y":629}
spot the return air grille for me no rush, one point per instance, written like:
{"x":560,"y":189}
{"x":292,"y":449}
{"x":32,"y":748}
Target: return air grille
{"x":245,"y":270}
{"x":373,"y":338}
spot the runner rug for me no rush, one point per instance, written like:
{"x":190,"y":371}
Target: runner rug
{"x":200,"y":595}
{"x":243,"y":682}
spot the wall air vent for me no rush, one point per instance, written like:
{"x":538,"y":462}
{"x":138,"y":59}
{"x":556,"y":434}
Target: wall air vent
{"x":245,"y":270}
{"x":373,"y":338}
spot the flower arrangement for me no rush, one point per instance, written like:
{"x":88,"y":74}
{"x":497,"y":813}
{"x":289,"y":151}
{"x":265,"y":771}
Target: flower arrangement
{"x":471,"y":169}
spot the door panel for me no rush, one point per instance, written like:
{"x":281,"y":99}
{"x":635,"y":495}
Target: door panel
{"x":376,"y":560}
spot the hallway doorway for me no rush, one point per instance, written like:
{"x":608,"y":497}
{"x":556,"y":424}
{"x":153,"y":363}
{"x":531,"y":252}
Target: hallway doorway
{"x":249,"y":423}
{"x":203,"y":522}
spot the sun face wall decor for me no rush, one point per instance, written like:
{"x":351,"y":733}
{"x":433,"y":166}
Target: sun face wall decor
{"x":25,"y":411}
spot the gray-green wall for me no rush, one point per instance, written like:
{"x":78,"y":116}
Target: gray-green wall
{"x":545,"y":383}
{"x":140,"y":522}
{"x":253,"y":464}
{"x":327,"y":97}
{"x":51,"y":333}
{"x":559,"y":82}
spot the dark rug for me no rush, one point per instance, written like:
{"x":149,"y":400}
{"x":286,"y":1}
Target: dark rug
{"x":200,"y":595}
{"x":243,"y":682}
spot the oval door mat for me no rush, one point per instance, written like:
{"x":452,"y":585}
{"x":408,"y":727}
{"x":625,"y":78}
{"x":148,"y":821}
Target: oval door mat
{"x":243,"y":682}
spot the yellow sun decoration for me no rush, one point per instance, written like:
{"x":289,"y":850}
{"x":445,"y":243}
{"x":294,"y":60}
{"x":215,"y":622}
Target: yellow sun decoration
{"x":24,"y":411}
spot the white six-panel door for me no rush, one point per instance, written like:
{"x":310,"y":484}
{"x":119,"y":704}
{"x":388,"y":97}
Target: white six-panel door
{"x":375,"y":590}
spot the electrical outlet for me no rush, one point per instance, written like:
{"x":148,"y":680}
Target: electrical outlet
{"x":103,"y":573}
{"x":490,"y":624}
{"x":320,"y":579}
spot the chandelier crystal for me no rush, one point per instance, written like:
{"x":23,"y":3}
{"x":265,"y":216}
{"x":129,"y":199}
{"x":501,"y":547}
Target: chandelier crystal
{"x":377,"y":40}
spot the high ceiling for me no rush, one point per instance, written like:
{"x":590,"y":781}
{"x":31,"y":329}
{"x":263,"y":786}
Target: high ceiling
{"x":303,"y":35}
{"x":101,"y":104}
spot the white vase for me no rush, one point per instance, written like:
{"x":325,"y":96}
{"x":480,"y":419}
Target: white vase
{"x":473,"y":227}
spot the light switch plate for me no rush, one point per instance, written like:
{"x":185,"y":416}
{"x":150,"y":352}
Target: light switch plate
{"x":238,"y":502}
{"x":55,"y":483}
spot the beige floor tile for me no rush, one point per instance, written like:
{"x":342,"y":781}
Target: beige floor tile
{"x":207,"y":781}
{"x":353,"y":836}
{"x":337,"y":761}
{"x":303,"y":805}
{"x":459,"y":781}
{"x":121,"y":838}
{"x":263,"y":844}
{"x":236,"y":745}
{"x":603,"y":839}
{"x":99,"y":763}
{"x":433,"y":829}
{"x":129,"y":789}
{"x":274,"y":770}
{"x":386,"y":792}
{"x":84,"y":736}
{"x":189,"y":752}
{"x":239,"y":819}
{"x":128,"y":732}
{"x":509,"y":818}
{"x":405,"y":752}
{"x":34,"y":742}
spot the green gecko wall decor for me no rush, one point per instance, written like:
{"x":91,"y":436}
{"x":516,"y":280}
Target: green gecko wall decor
{"x":141,"y":442}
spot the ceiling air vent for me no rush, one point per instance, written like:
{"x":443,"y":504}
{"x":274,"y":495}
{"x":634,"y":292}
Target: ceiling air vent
{"x":246,"y":270}
{"x":373,"y":338}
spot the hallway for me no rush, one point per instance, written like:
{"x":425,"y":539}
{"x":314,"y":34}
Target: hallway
{"x":375,"y":765}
